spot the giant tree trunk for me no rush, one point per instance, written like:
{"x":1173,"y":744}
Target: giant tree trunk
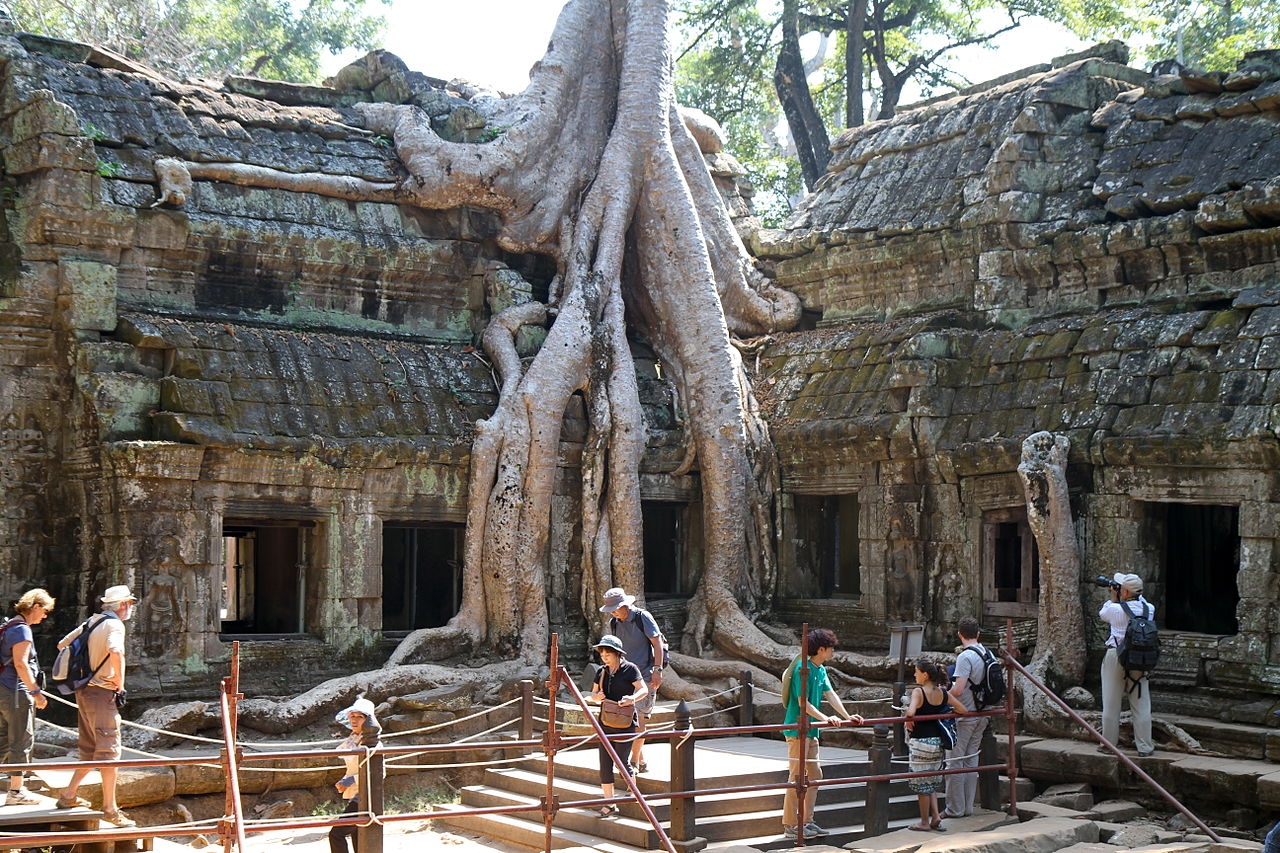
{"x":598,"y":171}
{"x":855,"y":45}
{"x":1060,"y":647}
{"x":808,"y":131}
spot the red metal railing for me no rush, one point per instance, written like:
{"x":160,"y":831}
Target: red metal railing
{"x":233,"y":827}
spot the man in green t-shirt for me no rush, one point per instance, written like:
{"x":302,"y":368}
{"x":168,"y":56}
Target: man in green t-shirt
{"x":821,"y":646}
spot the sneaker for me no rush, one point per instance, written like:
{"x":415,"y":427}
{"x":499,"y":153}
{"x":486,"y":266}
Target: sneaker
{"x":812,"y":830}
{"x":65,"y":802}
{"x":1146,"y":754}
{"x":789,"y":831}
{"x":21,"y":798}
{"x":118,"y":818}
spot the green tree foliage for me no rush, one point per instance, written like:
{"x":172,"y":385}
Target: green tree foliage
{"x":279,"y":39}
{"x":741,"y":59}
{"x":1212,"y":35}
{"x":727,"y":71}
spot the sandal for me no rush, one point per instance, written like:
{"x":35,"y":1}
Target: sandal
{"x":72,"y":803}
{"x":642,"y":767}
{"x":607,"y":811}
{"x":919,"y":827}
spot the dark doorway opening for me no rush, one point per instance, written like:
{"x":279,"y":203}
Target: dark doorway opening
{"x":827,"y":543}
{"x":663,"y":552}
{"x":421,"y":575}
{"x":1201,"y":561}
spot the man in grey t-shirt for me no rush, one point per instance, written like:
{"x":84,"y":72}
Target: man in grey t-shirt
{"x":642,"y":641}
{"x":962,"y":788}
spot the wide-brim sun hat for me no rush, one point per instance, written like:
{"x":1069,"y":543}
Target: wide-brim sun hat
{"x":360,"y":706}
{"x":615,"y":598}
{"x":608,"y":641}
{"x":117,"y":594}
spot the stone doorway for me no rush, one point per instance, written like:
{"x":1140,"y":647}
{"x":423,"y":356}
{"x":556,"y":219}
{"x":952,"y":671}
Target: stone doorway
{"x":1010,"y":564}
{"x":264,"y":577}
{"x":1196,"y":550}
{"x":828,"y":548}
{"x":665,"y":570}
{"x":421,"y":575}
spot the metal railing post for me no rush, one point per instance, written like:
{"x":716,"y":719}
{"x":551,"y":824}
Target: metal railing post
{"x":988,"y":780}
{"x":1124,"y":759}
{"x":684,"y":810}
{"x":369,"y":835}
{"x":876,"y":815}
{"x":550,"y":743}
{"x":526,"y":709}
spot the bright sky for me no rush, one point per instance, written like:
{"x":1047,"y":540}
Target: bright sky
{"x":495,"y":42}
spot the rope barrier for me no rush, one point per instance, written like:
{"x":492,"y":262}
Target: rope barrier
{"x":888,"y":698}
{"x":445,"y":725}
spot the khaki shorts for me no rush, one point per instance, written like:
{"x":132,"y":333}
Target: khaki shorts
{"x":99,"y":724}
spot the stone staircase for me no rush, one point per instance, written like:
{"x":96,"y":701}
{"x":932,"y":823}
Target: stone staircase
{"x":724,"y":820}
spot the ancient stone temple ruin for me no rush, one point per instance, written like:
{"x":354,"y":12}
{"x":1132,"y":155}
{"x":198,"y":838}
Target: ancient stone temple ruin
{"x":256,"y":404}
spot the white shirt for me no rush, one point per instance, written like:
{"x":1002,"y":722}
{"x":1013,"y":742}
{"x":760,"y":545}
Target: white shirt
{"x":1113,"y":614}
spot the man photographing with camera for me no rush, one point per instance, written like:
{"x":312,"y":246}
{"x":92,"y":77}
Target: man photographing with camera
{"x":1121,"y":679}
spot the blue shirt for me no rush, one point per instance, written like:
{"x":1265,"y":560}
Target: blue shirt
{"x":17,"y":631}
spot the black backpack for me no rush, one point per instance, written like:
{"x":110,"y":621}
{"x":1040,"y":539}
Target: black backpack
{"x":8,"y":659}
{"x":666,"y":649}
{"x":991,"y":689}
{"x":1139,"y":651}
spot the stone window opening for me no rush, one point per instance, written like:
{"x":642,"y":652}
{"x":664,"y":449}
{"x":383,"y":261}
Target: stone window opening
{"x":264,"y":577}
{"x":828,"y":548}
{"x":421,"y":575}
{"x":1194,"y":552}
{"x":1010,"y":564}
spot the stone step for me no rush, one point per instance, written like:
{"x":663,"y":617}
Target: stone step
{"x":531,"y":784}
{"x":526,"y":833}
{"x":1235,"y":739}
{"x":582,"y":765}
{"x":1199,"y":781}
{"x":720,"y":817}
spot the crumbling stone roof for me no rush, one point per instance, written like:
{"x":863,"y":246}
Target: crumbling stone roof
{"x":1093,"y":184}
{"x":1123,"y":385}
{"x":243,"y":386}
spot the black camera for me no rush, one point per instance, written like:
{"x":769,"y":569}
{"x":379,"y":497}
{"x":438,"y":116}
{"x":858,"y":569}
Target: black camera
{"x":1102,"y":580}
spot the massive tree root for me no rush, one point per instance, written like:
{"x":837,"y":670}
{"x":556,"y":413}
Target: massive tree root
{"x":597,"y":170}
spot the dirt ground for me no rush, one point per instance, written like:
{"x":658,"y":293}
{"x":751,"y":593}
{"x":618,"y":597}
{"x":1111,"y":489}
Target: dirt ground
{"x":407,"y":837}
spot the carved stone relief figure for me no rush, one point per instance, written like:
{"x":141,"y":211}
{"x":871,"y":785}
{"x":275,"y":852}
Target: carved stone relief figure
{"x":162,"y":618}
{"x":901,"y":599}
{"x":950,"y":599}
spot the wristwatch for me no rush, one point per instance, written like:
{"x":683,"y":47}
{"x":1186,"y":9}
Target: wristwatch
{"x":657,"y":669}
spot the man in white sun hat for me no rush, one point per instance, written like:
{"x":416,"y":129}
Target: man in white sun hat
{"x":99,"y":713}
{"x":1126,"y":595}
